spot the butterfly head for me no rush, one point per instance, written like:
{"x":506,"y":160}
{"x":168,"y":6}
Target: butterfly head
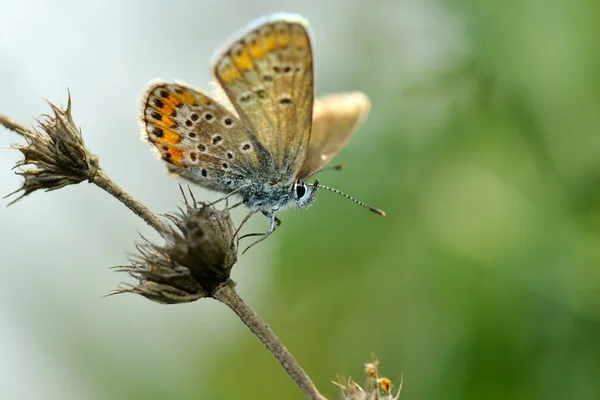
{"x":276,"y":194}
{"x":304,"y":194}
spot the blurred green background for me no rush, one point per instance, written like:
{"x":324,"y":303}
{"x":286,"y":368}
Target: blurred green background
{"x":483,"y":147}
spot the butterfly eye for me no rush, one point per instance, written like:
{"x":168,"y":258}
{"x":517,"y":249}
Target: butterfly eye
{"x":300,"y":190}
{"x":304,"y":194}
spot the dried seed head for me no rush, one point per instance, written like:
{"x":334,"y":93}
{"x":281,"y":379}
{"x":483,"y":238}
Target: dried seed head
{"x":351,"y":390}
{"x":371,"y":370}
{"x":196,"y":259}
{"x":376,"y":387}
{"x":58,"y":154}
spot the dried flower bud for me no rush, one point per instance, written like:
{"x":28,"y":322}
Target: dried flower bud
{"x":58,"y":154}
{"x":351,"y":390}
{"x":196,"y":259}
{"x":371,"y":370}
{"x":375,"y":387}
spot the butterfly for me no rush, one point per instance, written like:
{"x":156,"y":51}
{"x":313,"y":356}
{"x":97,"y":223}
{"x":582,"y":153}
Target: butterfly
{"x":271,"y":138}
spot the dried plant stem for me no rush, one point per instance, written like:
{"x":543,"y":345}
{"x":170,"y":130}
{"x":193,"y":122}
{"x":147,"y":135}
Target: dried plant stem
{"x":226,"y":294}
{"x":102,"y":180}
{"x":13,"y":125}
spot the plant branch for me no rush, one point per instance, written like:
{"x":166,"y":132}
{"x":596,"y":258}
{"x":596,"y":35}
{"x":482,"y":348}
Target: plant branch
{"x":228,"y":296}
{"x":13,"y":125}
{"x":102,"y":180}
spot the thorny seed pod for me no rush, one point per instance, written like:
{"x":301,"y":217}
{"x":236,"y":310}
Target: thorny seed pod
{"x":58,"y":154}
{"x":196,"y":259}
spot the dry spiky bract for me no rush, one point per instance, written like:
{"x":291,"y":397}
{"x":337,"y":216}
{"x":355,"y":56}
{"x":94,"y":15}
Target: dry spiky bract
{"x":375,"y":388}
{"x":58,"y":154}
{"x":196,"y":259}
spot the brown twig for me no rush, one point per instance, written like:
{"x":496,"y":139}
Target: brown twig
{"x":13,"y":125}
{"x":228,"y":296}
{"x":102,"y":180}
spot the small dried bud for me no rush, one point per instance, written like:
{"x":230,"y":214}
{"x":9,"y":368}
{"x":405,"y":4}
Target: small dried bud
{"x":371,"y":370}
{"x":375,"y":387}
{"x":351,"y":390}
{"x":196,"y":259}
{"x":58,"y":154}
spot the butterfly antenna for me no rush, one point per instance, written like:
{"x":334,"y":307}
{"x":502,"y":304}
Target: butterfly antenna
{"x":331,"y":168}
{"x":360,"y":203}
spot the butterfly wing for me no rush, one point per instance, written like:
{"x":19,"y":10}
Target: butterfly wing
{"x":198,"y":138}
{"x":267,"y":73}
{"x":335,"y":118}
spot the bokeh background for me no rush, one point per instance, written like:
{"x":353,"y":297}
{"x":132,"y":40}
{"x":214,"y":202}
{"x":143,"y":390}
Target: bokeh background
{"x":483,"y":146}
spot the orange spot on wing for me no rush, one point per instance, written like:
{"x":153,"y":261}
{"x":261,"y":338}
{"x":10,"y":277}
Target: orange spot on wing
{"x":176,"y":156}
{"x":167,"y":109}
{"x":169,"y":137}
{"x":229,"y":74}
{"x":283,"y":38}
{"x":242,"y":60}
{"x":256,"y":51}
{"x":167,"y":121}
{"x":268,"y":40}
{"x":173,"y":99}
{"x":187,"y":98}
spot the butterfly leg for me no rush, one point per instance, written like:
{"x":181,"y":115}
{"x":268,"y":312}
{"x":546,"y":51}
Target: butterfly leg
{"x":274,"y":223}
{"x":235,"y":205}
{"x":237,"y":232}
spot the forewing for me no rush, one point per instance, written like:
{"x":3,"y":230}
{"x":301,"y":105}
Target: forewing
{"x":335,"y":118}
{"x":267,"y":73}
{"x":198,"y":138}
